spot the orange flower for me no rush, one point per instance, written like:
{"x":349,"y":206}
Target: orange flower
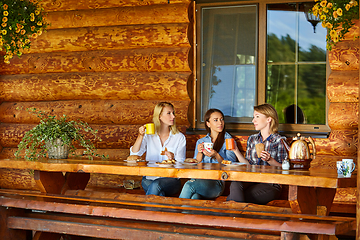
{"x":5,"y":7}
{"x":323,"y":3}
{"x":32,"y":28}
{"x":4,"y":24}
{"x":339,"y":11}
{"x":4,"y":19}
{"x":23,"y":32}
{"x":335,"y":15}
{"x":34,"y":35}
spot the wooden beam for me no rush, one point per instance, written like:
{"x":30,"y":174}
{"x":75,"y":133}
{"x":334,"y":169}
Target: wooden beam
{"x":139,"y":60}
{"x":119,"y":112}
{"x":92,"y":85}
{"x":69,"y":5}
{"x":139,"y":15}
{"x":111,"y":38}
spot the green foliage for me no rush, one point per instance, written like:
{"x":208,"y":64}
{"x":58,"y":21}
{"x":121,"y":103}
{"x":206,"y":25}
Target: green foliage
{"x":49,"y":129}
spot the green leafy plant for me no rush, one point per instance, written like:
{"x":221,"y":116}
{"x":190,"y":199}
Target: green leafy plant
{"x":49,"y":129}
{"x":21,"y":21}
{"x":337,"y":16}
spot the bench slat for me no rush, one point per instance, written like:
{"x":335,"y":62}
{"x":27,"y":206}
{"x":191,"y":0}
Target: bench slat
{"x":201,"y":216}
{"x":112,"y":229}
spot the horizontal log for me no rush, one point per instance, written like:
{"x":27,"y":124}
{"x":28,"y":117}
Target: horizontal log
{"x":17,"y":179}
{"x":91,"y":111}
{"x":114,"y":154}
{"x":345,"y":56}
{"x":112,"y":37}
{"x":113,"y":136}
{"x":343,"y":116}
{"x":139,"y":60}
{"x":345,"y":195}
{"x":69,"y":5}
{"x":324,"y":162}
{"x":353,"y":31}
{"x":106,"y":85}
{"x":140,"y":15}
{"x":339,"y":143}
{"x":343,"y":86}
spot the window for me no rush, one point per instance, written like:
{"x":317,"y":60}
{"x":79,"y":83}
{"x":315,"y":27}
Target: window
{"x":252,"y":53}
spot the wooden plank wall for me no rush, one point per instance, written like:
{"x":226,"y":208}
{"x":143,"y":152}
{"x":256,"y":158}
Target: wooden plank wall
{"x":106,"y":62}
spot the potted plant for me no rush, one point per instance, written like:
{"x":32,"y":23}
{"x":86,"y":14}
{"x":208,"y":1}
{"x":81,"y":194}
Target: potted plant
{"x":56,"y":135}
{"x":337,"y":16}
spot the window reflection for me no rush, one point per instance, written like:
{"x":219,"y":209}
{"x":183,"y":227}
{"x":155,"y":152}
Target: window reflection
{"x":296,"y":65}
{"x":228,"y":59}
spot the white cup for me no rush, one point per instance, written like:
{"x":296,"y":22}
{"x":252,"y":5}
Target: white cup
{"x":208,"y":146}
{"x":339,"y":167}
{"x":348,"y":167}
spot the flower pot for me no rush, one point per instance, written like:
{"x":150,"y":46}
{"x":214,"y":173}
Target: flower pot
{"x":57,"y":150}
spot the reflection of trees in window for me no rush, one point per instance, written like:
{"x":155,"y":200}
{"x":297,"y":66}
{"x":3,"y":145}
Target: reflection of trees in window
{"x":291,"y":81}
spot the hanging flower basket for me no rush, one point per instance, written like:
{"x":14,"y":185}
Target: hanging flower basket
{"x":337,"y":16}
{"x":21,"y":21}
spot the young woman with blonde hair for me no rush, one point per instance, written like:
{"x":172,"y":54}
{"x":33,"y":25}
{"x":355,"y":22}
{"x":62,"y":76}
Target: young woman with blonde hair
{"x":266,"y":122}
{"x":166,"y":143}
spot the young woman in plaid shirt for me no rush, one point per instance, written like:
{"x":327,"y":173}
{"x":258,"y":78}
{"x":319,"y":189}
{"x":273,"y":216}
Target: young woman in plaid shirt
{"x":266,"y":122}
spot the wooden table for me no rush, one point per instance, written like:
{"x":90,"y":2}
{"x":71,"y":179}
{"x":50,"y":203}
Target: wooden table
{"x":310,"y":192}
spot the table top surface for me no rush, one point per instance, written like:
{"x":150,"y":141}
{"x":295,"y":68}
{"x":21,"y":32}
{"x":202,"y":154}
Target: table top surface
{"x":326,"y":178}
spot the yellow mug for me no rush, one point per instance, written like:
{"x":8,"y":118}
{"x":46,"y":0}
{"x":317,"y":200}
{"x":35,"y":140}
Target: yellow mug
{"x":150,"y":128}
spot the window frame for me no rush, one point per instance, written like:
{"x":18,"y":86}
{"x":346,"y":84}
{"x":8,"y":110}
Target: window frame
{"x":248,"y":128}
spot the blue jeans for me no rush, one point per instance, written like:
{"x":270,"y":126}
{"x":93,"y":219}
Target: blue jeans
{"x":161,"y":186}
{"x":202,"y":189}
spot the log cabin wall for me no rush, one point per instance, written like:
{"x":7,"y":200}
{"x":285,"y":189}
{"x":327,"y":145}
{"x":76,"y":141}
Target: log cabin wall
{"x":105,"y":62}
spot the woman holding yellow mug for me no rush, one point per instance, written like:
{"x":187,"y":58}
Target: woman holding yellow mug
{"x":166,"y":142}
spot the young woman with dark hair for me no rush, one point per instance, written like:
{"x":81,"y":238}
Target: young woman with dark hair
{"x":215,"y":126}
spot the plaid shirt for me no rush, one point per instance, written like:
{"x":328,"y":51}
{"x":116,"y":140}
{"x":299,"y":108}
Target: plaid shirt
{"x":273,"y":145}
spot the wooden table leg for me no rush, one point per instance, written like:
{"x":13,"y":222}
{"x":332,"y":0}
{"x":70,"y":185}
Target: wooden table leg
{"x":75,"y":181}
{"x":11,"y":234}
{"x":289,"y":236}
{"x":57,"y":183}
{"x":49,"y":182}
{"x":46,"y":236}
{"x":311,"y":200}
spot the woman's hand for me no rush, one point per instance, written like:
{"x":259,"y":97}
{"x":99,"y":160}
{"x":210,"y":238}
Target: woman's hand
{"x":170,"y":155}
{"x":142,"y":130}
{"x":265,"y":156}
{"x":200,"y":147}
{"x":211,"y":154}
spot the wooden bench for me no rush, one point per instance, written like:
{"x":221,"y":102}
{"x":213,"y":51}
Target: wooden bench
{"x":111,"y":216}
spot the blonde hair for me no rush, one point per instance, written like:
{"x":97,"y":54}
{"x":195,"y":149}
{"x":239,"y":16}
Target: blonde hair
{"x":156,"y":117}
{"x":269,"y":111}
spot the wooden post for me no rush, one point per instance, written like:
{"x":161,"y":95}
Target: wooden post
{"x":11,"y":234}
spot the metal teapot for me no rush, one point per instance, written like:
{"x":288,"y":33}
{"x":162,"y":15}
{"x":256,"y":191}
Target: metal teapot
{"x":299,"y":152}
